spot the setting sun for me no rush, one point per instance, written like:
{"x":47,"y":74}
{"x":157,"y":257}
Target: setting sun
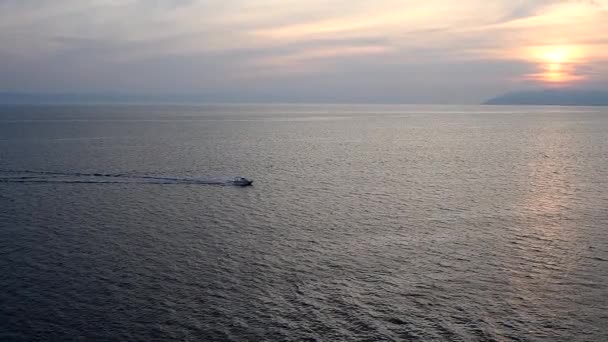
{"x":557,"y":64}
{"x":559,"y":54}
{"x":556,"y":56}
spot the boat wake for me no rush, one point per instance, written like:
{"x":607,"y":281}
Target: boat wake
{"x":29,"y":176}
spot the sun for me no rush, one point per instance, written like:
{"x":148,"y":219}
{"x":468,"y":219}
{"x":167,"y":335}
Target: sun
{"x":557,"y":64}
{"x":556,"y":56}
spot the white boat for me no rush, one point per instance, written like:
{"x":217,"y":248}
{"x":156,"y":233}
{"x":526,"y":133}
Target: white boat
{"x":242,"y":181}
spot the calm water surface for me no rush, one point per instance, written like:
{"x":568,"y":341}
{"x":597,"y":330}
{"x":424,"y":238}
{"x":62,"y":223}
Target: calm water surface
{"x":365,"y":223}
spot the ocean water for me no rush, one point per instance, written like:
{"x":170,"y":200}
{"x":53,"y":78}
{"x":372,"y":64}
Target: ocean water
{"x":364,"y":223}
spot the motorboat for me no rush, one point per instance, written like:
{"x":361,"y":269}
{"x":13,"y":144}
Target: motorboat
{"x":242,"y":181}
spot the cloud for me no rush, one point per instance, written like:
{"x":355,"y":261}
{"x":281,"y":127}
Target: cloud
{"x":199,"y":45}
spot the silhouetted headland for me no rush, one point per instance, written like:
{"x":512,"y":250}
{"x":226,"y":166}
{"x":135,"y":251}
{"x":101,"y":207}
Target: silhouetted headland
{"x":553,"y":97}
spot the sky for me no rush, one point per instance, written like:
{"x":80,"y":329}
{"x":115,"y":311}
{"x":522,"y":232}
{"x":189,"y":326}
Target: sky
{"x":431,"y":51}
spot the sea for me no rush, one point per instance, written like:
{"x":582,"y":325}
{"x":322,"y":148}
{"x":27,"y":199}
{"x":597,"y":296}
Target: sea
{"x":363,"y":223}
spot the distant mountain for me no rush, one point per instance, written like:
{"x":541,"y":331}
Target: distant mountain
{"x":553,"y":97}
{"x":97,"y":98}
